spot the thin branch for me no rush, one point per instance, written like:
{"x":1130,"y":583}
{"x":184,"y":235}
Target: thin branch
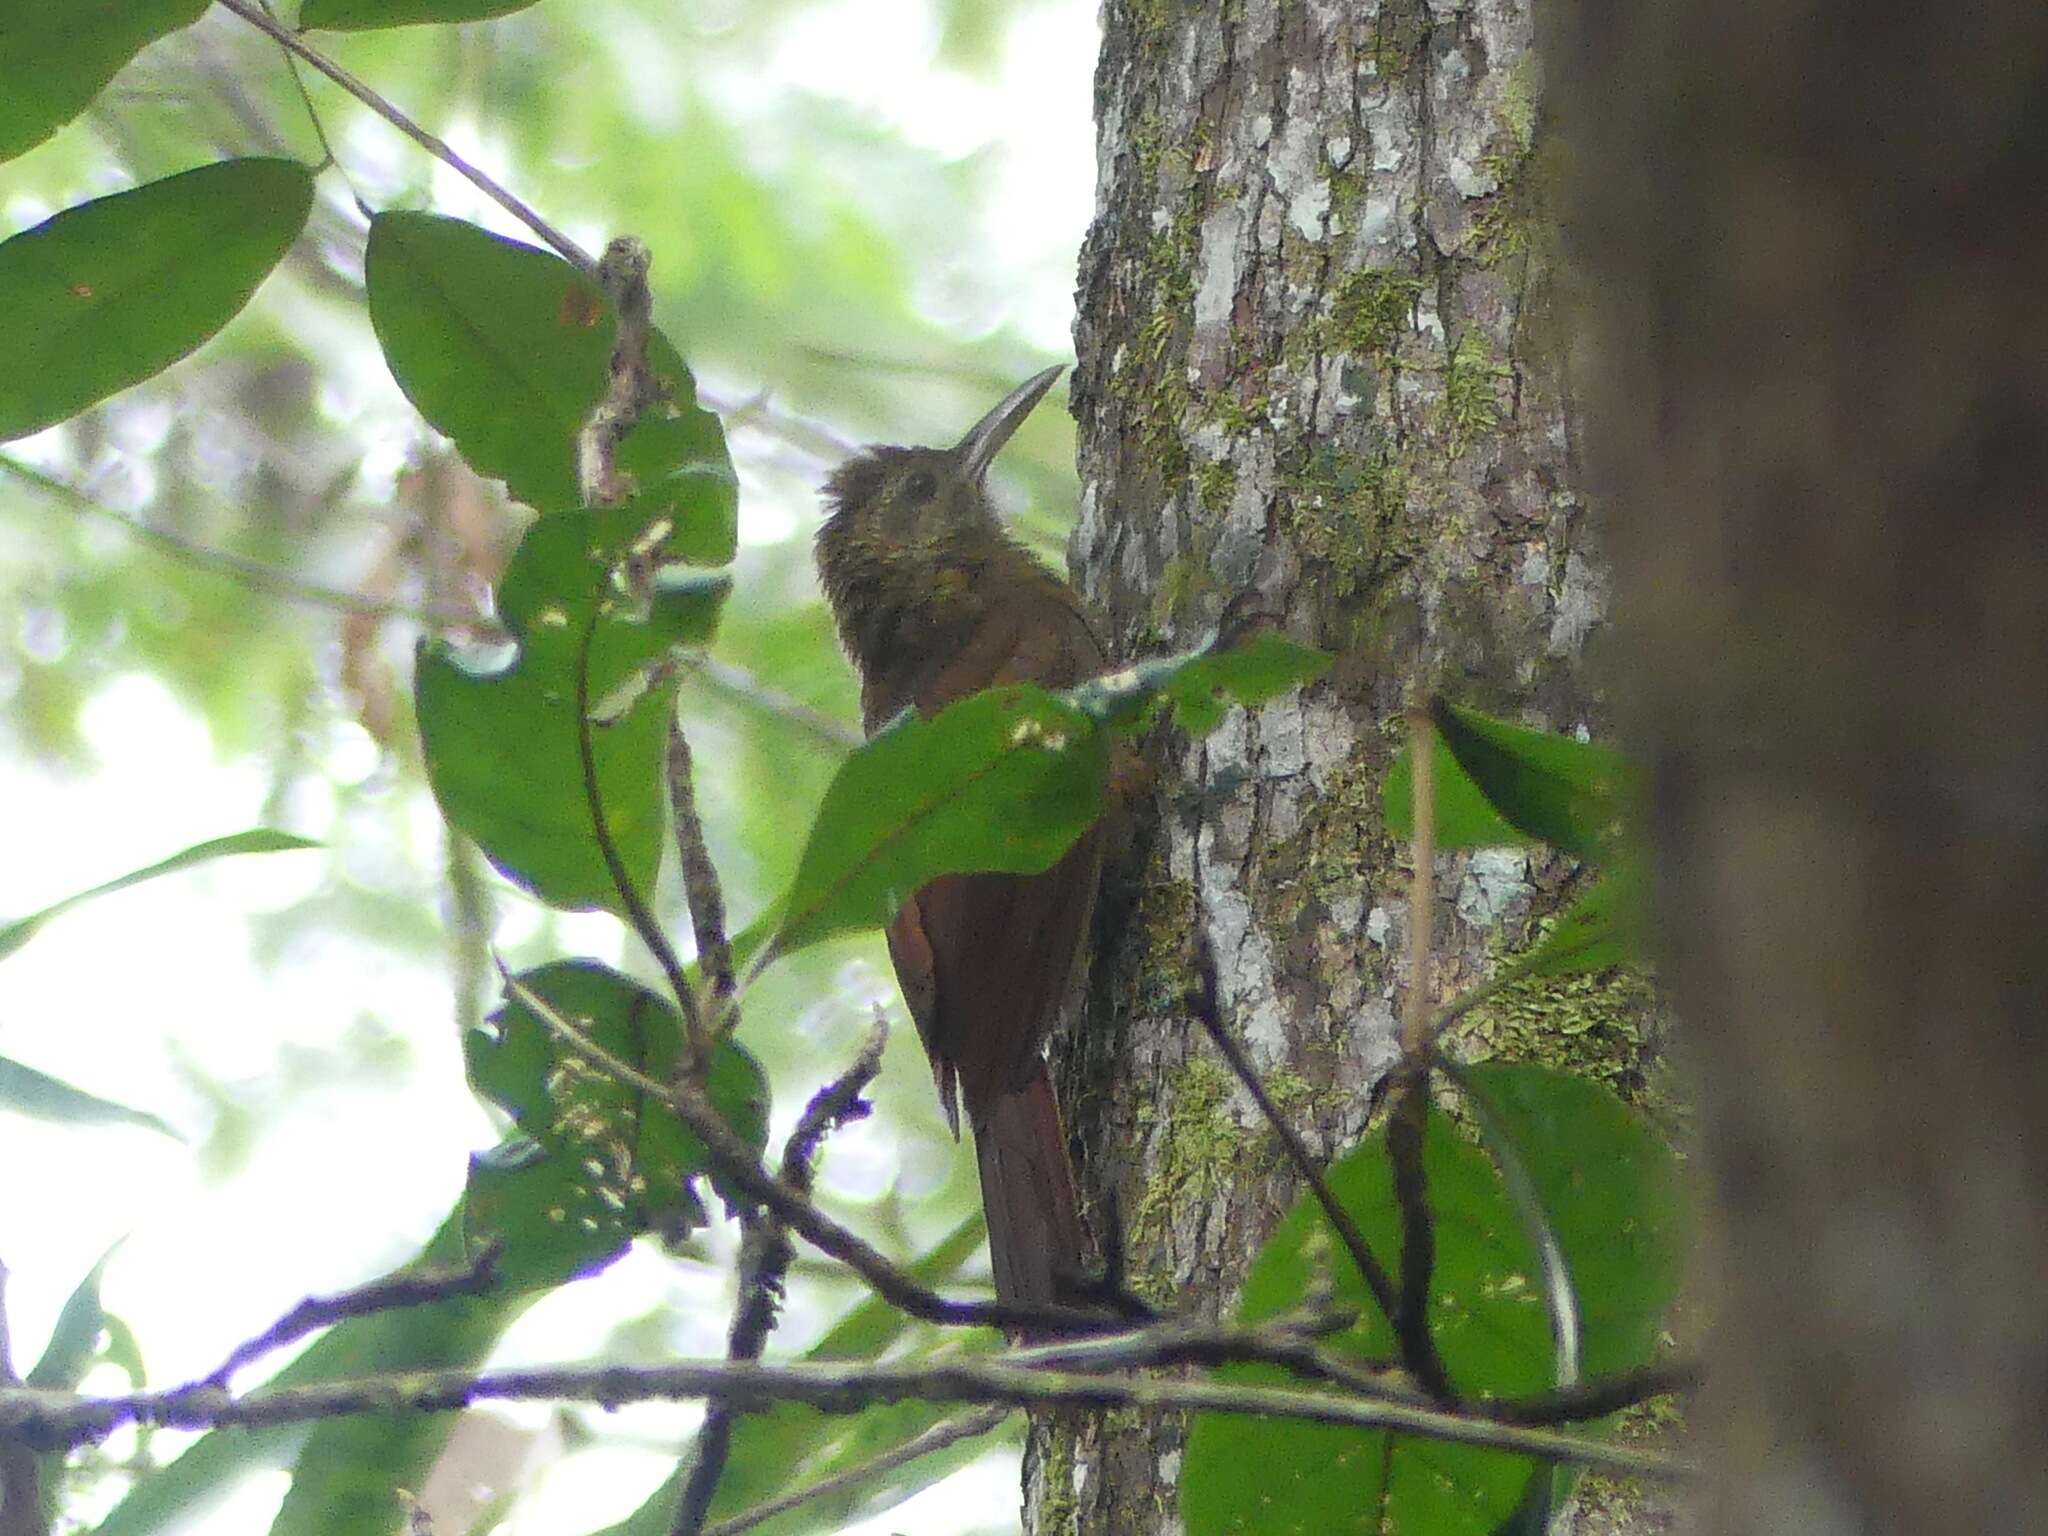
{"x":1407,"y":1125}
{"x":319,"y":127}
{"x":945,"y":1433}
{"x":21,"y":1480}
{"x":68,"y":1419}
{"x":1597,"y":1398}
{"x":764,"y":1266}
{"x":700,"y":881}
{"x":291,"y":42}
{"x":748,"y":689}
{"x":631,"y":386}
{"x":734,"y":1161}
{"x":255,"y":573}
{"x":415,"y":1288}
{"x":1203,"y":1004}
{"x":642,"y":921}
{"x":1408,"y":1121}
{"x":1422,"y":887}
{"x":836,"y":1104}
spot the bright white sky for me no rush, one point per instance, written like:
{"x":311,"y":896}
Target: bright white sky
{"x":142,"y":996}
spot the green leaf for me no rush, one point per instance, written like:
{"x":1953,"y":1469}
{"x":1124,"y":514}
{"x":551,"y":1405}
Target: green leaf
{"x":1464,"y":816}
{"x":105,"y":294}
{"x":1002,"y":780}
{"x":1624,"y":1232}
{"x":74,"y":1342}
{"x":1202,"y":683}
{"x":621,"y":1163}
{"x":1502,"y":783}
{"x":505,"y":348}
{"x":795,"y":1443}
{"x":258,"y":840}
{"x":55,"y":55}
{"x":1487,"y":1313}
{"x":1622,"y":1236}
{"x":362,"y":15}
{"x":501,"y":747}
{"x":41,"y":1097}
{"x":1601,"y":930}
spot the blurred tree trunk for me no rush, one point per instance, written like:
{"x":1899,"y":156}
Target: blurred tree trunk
{"x":1817,"y":235}
{"x":1319,"y":390}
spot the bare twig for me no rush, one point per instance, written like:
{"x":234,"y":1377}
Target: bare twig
{"x":947,"y":1432}
{"x":68,"y":1419}
{"x":1407,"y":1124}
{"x":1422,"y":887}
{"x":631,"y":387}
{"x":1408,"y":1121}
{"x":638,"y":916}
{"x":1203,"y":1004}
{"x":764,"y":1265}
{"x":1597,"y":1398}
{"x":313,"y":117}
{"x":255,"y":573}
{"x":834,"y":1105}
{"x":414,"y":1288}
{"x":748,"y":689}
{"x":291,"y":42}
{"x":700,"y":882}
{"x":734,"y":1161}
{"x":21,"y":1482}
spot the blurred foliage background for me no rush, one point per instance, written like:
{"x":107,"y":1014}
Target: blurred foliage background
{"x":864,"y":215}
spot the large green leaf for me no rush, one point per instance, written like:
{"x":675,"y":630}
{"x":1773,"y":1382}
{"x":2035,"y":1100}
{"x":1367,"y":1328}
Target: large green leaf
{"x":1620,"y":1238}
{"x":1002,"y":780}
{"x":1588,"y":1182}
{"x":42,"y":1097}
{"x":502,"y":746}
{"x":103,"y":295}
{"x":620,"y":1159}
{"x":362,"y":15}
{"x":1503,"y":783}
{"x":1491,"y":1327}
{"x":797,"y":1444}
{"x":1610,"y":1193}
{"x":505,"y":347}
{"x":55,"y":55}
{"x":257,"y":840}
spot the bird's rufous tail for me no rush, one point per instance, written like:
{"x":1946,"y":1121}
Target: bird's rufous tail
{"x":1027,"y":1190}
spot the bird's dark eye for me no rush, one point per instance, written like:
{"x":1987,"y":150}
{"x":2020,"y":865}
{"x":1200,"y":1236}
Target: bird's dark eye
{"x":919,"y":487}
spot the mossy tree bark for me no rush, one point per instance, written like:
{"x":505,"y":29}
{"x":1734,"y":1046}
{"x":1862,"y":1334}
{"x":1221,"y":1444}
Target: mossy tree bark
{"x":1820,"y":289}
{"x":1318,"y":391}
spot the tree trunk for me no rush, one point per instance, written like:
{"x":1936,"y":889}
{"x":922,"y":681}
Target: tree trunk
{"x":1318,"y":391}
{"x":1818,"y":235}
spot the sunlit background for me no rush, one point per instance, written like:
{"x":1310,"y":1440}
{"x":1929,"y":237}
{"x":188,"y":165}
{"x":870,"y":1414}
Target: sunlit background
{"x":864,"y":218}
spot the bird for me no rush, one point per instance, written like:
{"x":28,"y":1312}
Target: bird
{"x":934,"y":600}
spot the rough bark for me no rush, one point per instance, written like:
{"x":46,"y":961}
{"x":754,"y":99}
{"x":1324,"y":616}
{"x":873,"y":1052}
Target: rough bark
{"x":1818,"y":238}
{"x":1317,"y":392}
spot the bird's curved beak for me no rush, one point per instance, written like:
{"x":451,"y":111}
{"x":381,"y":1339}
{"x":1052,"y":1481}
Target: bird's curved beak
{"x":985,"y":439}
